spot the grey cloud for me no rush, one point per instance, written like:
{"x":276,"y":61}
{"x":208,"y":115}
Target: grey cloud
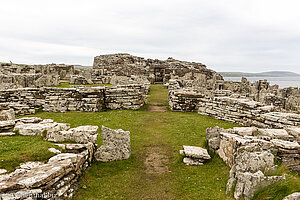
{"x":231,"y":35}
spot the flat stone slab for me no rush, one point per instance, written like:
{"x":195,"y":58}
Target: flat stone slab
{"x":249,"y":131}
{"x":192,"y":161}
{"x":7,"y":134}
{"x":196,"y":152}
{"x":275,"y":133}
{"x":3,"y":171}
{"x":286,"y":144}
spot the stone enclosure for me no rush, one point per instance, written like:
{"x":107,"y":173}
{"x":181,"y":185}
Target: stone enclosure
{"x":271,"y":116}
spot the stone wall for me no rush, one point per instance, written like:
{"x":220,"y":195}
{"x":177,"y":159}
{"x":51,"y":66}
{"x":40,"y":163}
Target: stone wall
{"x":157,"y":71}
{"x":250,"y":152}
{"x":20,"y":76}
{"x":262,"y":91}
{"x":58,"y":178}
{"x":75,"y":99}
{"x":236,"y":110}
{"x":131,"y":97}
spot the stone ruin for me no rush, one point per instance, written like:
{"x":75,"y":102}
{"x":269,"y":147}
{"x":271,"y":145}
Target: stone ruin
{"x":250,"y":152}
{"x":58,"y":177}
{"x":156,"y":71}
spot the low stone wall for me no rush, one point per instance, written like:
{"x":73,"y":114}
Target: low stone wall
{"x":250,"y":152}
{"x":56,"y":179}
{"x":131,"y":97}
{"x":247,"y":113}
{"x":91,"y":99}
{"x":236,"y":110}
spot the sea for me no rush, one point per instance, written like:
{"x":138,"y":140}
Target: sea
{"x":283,"y":82}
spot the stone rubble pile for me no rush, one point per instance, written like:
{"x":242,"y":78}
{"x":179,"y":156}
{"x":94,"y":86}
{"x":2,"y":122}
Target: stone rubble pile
{"x":194,"y":155}
{"x":249,"y":151}
{"x":116,"y":145}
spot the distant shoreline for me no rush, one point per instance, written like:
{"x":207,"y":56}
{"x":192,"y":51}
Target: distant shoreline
{"x":282,"y":82}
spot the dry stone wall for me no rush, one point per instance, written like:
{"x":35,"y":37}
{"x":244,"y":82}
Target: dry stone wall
{"x":250,"y":152}
{"x":157,"y":71}
{"x":219,"y":105}
{"x":91,"y":99}
{"x":58,"y":177}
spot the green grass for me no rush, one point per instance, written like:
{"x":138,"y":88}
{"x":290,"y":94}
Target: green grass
{"x":281,"y":189}
{"x":19,"y":149}
{"x":67,"y":85}
{"x":165,"y":131}
{"x":158,"y":96}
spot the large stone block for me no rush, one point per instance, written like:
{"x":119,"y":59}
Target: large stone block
{"x":116,"y":145}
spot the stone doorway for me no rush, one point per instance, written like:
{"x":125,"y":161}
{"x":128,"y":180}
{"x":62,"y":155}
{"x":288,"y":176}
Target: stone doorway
{"x":159,"y":74}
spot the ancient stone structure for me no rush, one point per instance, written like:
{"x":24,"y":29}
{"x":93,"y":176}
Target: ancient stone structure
{"x":19,"y":76}
{"x":194,"y":155}
{"x":116,"y":145}
{"x":75,"y":99}
{"x":249,"y":151}
{"x":56,"y":179}
{"x":237,"y":110}
{"x":157,"y":71}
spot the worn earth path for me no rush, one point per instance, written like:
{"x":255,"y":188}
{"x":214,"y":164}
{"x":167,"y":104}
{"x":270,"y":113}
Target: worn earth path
{"x":155,"y":169}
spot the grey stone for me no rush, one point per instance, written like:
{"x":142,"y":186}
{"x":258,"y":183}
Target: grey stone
{"x":116,"y":145}
{"x":294,"y":196}
{"x":196,"y":152}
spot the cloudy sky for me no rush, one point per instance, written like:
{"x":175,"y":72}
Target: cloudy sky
{"x":226,"y":35}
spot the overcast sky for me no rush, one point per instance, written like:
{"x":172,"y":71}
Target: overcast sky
{"x":226,"y":35}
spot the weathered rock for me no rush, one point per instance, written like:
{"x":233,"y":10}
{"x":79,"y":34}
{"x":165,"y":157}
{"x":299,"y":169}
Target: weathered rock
{"x":116,"y":145}
{"x":196,"y":152}
{"x":8,"y":114}
{"x":286,"y":144}
{"x":29,"y":120}
{"x":243,"y":131}
{"x":294,"y":196}
{"x":57,"y":179}
{"x":34,"y":129}
{"x":8,"y":134}
{"x":275,"y":134}
{"x":55,"y":151}
{"x":81,"y":134}
{"x":3,"y":171}
{"x":213,"y":137}
{"x":192,"y":161}
{"x":248,"y":183}
{"x":7,"y":125}
{"x":294,"y":131}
